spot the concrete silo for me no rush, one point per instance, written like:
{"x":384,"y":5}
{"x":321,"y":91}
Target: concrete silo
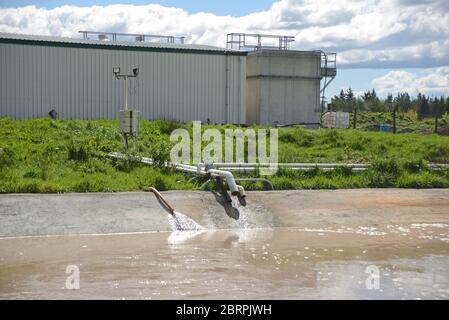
{"x":283,"y":86}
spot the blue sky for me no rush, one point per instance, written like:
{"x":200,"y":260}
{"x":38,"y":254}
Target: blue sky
{"x":392,"y":45}
{"x":219,"y":7}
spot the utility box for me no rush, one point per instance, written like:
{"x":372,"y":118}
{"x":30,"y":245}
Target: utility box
{"x":335,"y":120}
{"x":129,"y":122}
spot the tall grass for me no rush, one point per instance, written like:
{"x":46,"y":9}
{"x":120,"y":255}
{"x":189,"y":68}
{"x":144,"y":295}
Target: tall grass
{"x":43,"y":155}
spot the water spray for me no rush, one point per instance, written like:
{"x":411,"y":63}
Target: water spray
{"x":178,"y":220}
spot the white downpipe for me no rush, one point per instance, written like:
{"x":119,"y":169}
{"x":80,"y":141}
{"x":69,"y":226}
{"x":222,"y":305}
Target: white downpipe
{"x":213,"y":172}
{"x":229,"y":179}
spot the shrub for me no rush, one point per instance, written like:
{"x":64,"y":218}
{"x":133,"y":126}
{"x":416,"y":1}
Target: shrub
{"x":332,"y":137}
{"x":411,"y":115}
{"x":6,"y":157}
{"x":414,"y":165}
{"x":422,"y":180}
{"x":128,"y":164}
{"x":283,"y":183}
{"x":94,"y":166}
{"x":344,"y":171}
{"x":31,"y":174}
{"x":160,"y":184}
{"x":289,"y":136}
{"x":77,"y":152}
{"x":389,"y":166}
{"x":438,"y":153}
{"x":445,"y":118}
{"x":159,"y":151}
{"x":307,"y":141}
{"x":167,"y":126}
{"x":383,"y":173}
{"x":29,"y":187}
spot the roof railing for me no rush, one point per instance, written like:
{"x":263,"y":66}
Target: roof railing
{"x":113,"y":36}
{"x":252,"y":41}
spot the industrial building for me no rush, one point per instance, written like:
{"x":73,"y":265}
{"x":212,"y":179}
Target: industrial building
{"x":242,"y":84}
{"x":181,"y":82}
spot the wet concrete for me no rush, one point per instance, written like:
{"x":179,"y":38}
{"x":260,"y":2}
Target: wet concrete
{"x":39,"y":214}
{"x":281,"y":245}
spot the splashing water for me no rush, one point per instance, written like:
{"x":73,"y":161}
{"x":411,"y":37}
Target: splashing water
{"x":180,"y":222}
{"x":184,"y":228}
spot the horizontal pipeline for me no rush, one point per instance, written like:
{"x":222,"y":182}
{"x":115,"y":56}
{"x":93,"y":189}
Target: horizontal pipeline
{"x":233,"y":187}
{"x":248,"y":167}
{"x":242,"y":167}
{"x":251,"y":169}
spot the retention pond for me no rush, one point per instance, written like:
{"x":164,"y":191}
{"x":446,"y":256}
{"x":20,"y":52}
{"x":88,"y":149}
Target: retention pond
{"x":367,"y":244}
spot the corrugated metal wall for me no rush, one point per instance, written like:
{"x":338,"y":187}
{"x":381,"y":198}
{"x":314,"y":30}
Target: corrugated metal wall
{"x":78,"y":83}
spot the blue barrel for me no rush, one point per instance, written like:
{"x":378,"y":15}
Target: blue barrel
{"x":385,"y":127}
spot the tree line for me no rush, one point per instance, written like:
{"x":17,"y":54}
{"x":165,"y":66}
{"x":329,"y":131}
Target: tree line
{"x":423,"y":105}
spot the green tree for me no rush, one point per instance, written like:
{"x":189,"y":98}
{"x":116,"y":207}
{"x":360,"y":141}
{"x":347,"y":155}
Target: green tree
{"x":372,"y":101}
{"x":403,"y":101}
{"x":422,"y":106}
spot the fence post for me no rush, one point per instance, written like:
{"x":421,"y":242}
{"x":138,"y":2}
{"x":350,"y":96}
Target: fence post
{"x":436,"y":123}
{"x":394,"y":119}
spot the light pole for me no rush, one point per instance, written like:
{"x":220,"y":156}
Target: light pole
{"x":128,"y":118}
{"x":116,"y":72}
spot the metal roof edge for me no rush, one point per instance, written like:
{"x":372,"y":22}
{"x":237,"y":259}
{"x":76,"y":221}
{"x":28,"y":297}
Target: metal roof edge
{"x":98,"y":44}
{"x":283,"y":52}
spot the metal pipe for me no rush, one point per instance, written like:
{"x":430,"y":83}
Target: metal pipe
{"x":252,"y":169}
{"x":240,"y":165}
{"x":224,"y":169}
{"x":229,"y":179}
{"x":126,"y":93}
{"x":163,"y":201}
{"x":191,"y":169}
{"x":253,"y":166}
{"x":241,"y":191}
{"x":213,"y":172}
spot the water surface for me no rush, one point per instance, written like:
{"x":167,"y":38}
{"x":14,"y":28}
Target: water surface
{"x":265,"y":263}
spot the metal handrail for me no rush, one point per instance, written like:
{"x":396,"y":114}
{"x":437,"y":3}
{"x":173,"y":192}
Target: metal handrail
{"x":169,"y":39}
{"x":241,"y":38}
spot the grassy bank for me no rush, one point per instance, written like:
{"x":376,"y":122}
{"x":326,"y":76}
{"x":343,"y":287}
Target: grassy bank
{"x":42,"y":155}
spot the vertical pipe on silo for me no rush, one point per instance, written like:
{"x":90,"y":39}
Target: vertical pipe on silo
{"x":226,"y":89}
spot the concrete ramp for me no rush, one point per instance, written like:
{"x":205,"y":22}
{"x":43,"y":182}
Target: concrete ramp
{"x":91,"y":213}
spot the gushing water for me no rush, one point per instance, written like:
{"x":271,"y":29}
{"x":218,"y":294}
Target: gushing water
{"x":184,"y":228}
{"x":180,"y":222}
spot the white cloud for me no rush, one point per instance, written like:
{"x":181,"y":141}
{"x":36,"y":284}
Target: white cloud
{"x":373,"y":33}
{"x":433,"y":82}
